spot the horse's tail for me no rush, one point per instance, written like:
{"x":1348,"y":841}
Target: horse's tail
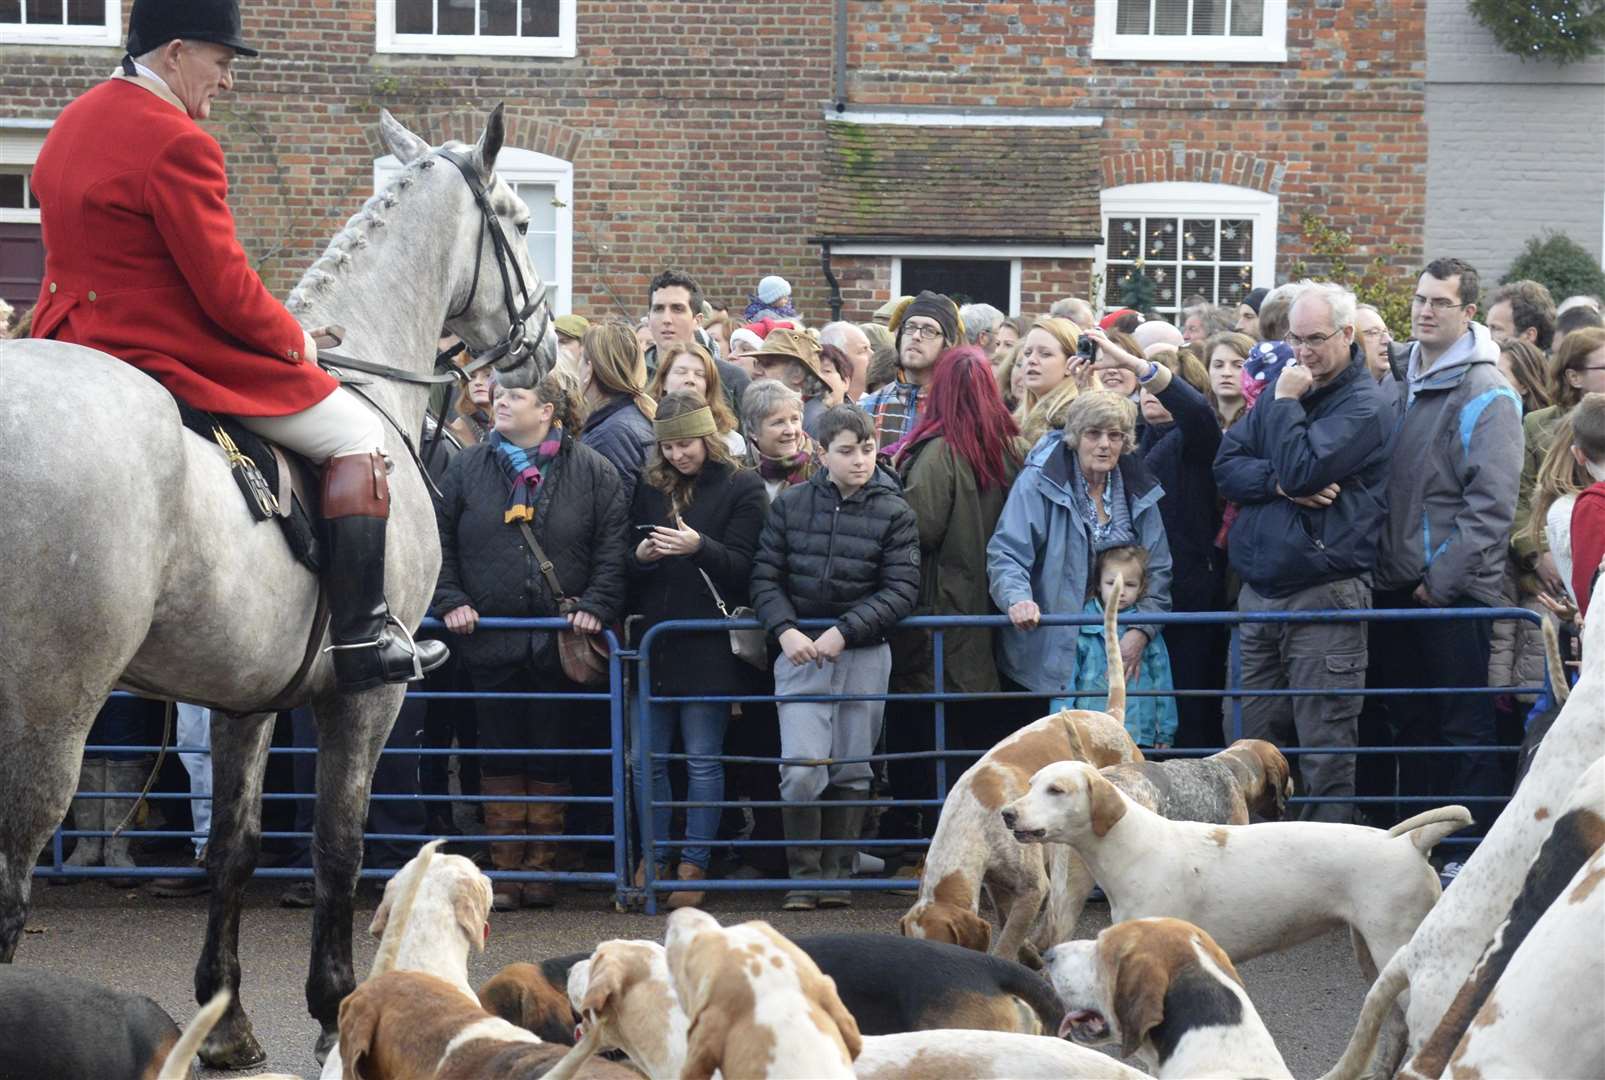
{"x":390,"y":944}
{"x":177,"y":1065}
{"x":1111,"y":645}
{"x":1393,"y":981}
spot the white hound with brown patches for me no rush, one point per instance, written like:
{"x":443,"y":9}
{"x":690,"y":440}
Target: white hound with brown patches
{"x":1448,"y":944}
{"x":1253,"y":888}
{"x":624,"y":993}
{"x":1162,"y":990}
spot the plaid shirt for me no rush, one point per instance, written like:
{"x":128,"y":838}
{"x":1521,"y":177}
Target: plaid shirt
{"x":895,"y":409}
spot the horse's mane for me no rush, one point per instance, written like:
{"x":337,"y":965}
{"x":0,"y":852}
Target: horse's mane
{"x":336,"y":258}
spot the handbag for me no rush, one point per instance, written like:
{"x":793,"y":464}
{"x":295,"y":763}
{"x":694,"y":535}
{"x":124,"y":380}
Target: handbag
{"x":751,"y":646}
{"x":583,"y":657}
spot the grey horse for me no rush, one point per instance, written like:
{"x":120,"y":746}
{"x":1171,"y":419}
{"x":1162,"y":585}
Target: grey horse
{"x":130,"y":559}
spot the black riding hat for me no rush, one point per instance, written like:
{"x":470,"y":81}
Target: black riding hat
{"x":156,"y":22}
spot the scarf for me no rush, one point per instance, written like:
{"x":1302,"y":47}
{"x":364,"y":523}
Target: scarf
{"x":1117,"y":531}
{"x":788,"y":471}
{"x":523,"y":471}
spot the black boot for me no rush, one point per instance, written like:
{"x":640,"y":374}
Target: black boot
{"x":371,"y":647}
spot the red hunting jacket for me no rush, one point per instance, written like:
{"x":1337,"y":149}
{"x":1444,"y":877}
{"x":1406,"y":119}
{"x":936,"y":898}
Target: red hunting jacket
{"x":141,"y":259}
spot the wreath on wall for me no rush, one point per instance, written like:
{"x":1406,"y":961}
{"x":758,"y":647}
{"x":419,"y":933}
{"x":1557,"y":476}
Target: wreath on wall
{"x":1559,"y":31}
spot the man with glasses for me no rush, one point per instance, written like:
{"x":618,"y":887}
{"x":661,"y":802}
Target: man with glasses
{"x":1452,"y":497}
{"x":925,"y":327}
{"x":1308,"y":466}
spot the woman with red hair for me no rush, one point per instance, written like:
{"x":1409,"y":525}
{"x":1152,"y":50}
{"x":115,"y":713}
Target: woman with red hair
{"x":956,"y":466}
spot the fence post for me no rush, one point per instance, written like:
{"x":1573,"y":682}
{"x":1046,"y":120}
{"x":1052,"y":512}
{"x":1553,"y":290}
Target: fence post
{"x":643,"y":780}
{"x":1234,"y":681}
{"x":621,"y":818}
{"x":939,"y":684}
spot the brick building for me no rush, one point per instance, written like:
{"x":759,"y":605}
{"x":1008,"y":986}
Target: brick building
{"x":986,"y":147}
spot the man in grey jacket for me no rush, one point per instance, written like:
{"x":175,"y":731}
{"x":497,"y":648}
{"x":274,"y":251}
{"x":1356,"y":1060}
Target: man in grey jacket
{"x":1457,"y":459}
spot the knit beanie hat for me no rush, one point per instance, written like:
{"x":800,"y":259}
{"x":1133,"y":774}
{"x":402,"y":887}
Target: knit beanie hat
{"x":1256,"y":298}
{"x":930,"y":305}
{"x":773,"y":289}
{"x":1265,"y":362}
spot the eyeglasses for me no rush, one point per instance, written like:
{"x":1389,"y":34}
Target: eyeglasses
{"x":1115,"y":437}
{"x":920,"y":331}
{"x":1313,"y":341}
{"x":1376,"y":332}
{"x":1437,"y":303}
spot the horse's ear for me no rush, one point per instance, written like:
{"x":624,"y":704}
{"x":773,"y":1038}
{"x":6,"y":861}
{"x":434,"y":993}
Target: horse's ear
{"x":490,"y":143}
{"x":399,"y":141}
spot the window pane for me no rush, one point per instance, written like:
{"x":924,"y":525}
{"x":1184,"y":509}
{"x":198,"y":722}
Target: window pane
{"x":1113,"y":276}
{"x":1198,"y":240}
{"x":1236,"y":241}
{"x":540,"y":18}
{"x":11,"y":191}
{"x":1248,"y":17}
{"x":538,"y":197}
{"x":498,"y":17}
{"x":1125,"y":238}
{"x":1235,"y":283}
{"x":1161,"y":240}
{"x":1209,"y":16}
{"x":1170,"y":16}
{"x":1198,"y":279}
{"x":1165,"y":285}
{"x":414,"y":16}
{"x":456,"y":17}
{"x":86,"y":12}
{"x":42,"y":12}
{"x":1131,"y":17}
{"x":10,"y":11}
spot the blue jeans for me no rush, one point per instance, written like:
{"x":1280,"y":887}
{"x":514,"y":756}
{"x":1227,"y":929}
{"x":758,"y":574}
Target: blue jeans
{"x":701,"y":726}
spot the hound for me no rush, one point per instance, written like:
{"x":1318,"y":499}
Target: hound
{"x":1253,"y":888}
{"x":1165,"y":992}
{"x":1248,"y":778}
{"x":971,"y":848}
{"x":625,"y":993}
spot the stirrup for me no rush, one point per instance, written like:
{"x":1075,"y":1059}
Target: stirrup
{"x":384,"y":639}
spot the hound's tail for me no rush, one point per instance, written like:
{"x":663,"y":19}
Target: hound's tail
{"x":396,"y":927}
{"x":590,"y":1042}
{"x":1430,"y":826}
{"x":1393,"y":981}
{"x":1111,"y":645}
{"x":1559,"y":688}
{"x":177,"y":1065}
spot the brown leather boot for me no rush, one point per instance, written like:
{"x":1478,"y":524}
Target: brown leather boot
{"x":543,"y":819}
{"x":505,"y":819}
{"x":685,"y":898}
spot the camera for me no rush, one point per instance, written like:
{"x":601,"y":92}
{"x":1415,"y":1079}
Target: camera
{"x":1087,"y":348}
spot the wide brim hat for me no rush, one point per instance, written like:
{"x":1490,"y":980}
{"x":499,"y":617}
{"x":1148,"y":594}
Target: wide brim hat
{"x":783,"y":342}
{"x":153,"y":23}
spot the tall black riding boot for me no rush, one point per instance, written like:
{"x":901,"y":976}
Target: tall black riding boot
{"x":370,"y":646}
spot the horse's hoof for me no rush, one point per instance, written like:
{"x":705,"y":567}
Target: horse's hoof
{"x":327,"y":1040}
{"x":223,"y":1050}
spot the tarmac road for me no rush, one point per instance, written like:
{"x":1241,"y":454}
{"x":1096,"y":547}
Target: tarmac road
{"x":1308,"y":996}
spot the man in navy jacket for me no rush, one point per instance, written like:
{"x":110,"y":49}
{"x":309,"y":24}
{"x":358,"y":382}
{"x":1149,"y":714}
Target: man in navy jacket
{"x":1308,"y":465}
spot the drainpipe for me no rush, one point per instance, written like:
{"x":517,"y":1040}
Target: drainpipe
{"x":840,"y":64}
{"x":835,"y":286}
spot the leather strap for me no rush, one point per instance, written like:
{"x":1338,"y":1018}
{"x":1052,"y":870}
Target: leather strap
{"x":547,"y":570}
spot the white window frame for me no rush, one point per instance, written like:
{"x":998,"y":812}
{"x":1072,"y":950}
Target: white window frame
{"x":109,"y":31}
{"x":1013,"y":253}
{"x":387,"y":40}
{"x":519,"y":166}
{"x":1190,"y":198}
{"x":1268,"y":47}
{"x":20,"y":141}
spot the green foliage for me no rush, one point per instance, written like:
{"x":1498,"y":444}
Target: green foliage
{"x":1377,"y":282}
{"x":1559,"y":31}
{"x":1137,"y":290}
{"x":1561,"y":264}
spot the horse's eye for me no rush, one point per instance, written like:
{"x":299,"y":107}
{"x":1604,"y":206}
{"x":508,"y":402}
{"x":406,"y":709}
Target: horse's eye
{"x":523,"y":228}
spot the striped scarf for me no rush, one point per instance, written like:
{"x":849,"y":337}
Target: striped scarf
{"x":523,"y":470}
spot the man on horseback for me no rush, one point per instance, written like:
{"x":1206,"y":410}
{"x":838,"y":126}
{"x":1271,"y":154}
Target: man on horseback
{"x":142,"y":262}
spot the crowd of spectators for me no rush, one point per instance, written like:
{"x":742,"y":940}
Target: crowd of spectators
{"x":1287,"y":455}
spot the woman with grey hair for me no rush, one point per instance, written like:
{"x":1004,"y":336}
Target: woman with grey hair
{"x":772,"y":417}
{"x":1083,"y":491}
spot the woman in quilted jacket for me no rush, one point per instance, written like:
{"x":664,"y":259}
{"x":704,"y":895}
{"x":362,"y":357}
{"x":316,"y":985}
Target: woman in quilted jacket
{"x":531,"y":473}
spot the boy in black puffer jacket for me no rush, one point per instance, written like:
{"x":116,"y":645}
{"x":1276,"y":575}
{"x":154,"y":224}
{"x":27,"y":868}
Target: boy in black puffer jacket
{"x":844,"y":546}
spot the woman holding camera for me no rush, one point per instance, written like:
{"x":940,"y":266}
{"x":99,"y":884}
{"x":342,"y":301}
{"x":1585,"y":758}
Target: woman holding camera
{"x":1048,"y":372}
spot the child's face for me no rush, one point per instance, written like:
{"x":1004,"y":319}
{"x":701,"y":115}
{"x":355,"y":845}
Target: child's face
{"x":1106,"y":583}
{"x":850,"y":461}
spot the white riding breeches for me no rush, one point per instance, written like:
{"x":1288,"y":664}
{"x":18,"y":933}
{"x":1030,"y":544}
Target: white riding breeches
{"x":338,"y":425}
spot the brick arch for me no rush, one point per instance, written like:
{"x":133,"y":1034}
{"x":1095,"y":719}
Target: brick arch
{"x":527,"y":132}
{"x":1179,"y":163}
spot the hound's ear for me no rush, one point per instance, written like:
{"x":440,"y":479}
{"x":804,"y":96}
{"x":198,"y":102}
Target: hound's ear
{"x":1106,"y":805}
{"x":470,"y":903}
{"x":831,"y":1000}
{"x":359,"y":1019}
{"x":972,"y":931}
{"x":490,"y":141}
{"x":1140,"y":983}
{"x":705,"y":1044}
{"x":606,"y":985}
{"x":398,"y":140}
{"x":381,"y":914}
